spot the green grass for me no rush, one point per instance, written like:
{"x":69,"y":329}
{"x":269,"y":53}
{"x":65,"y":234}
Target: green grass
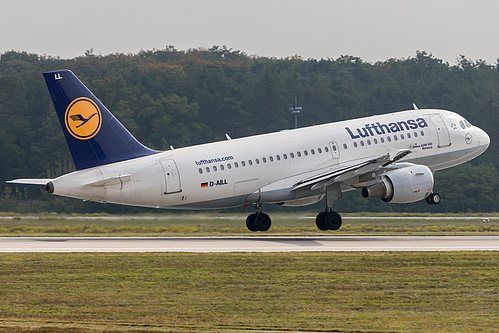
{"x":234,"y":224}
{"x":162,"y":292}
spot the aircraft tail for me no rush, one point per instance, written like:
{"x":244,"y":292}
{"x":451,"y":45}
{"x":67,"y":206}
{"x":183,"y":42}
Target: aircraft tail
{"x":94,"y":136}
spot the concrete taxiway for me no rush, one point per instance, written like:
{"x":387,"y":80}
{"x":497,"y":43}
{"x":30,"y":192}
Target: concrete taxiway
{"x":249,"y":244}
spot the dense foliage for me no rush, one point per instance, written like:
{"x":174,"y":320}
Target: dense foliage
{"x":171,"y":97}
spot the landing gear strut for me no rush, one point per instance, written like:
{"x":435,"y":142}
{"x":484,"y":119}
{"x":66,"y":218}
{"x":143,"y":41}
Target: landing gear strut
{"x":258,"y":221}
{"x":329,"y":219}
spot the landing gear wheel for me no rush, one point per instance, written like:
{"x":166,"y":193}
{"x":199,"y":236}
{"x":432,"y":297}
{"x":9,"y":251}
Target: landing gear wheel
{"x":263,"y":222}
{"x":320,"y":221}
{"x":433,"y":199}
{"x":251,"y":222}
{"x":333,"y":221}
{"x":328,"y":221}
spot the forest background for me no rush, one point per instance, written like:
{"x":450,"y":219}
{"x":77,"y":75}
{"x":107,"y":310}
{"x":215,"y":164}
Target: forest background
{"x":180,"y":98}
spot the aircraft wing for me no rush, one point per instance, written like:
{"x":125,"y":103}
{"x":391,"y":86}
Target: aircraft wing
{"x":29,"y":181}
{"x":341,"y":175}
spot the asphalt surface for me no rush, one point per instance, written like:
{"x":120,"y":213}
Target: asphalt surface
{"x":249,"y":244}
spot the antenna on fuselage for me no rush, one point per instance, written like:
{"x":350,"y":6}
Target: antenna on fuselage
{"x":415,"y":106}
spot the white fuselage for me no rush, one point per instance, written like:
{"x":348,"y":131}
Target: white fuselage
{"x":264,"y":168}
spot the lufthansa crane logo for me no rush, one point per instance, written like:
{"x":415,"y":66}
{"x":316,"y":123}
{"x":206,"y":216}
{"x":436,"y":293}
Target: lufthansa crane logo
{"x":83,"y":118}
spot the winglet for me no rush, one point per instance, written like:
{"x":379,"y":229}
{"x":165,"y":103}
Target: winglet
{"x":94,"y":136}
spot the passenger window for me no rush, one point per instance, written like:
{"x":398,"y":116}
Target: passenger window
{"x":222,"y":167}
{"x":271,"y":159}
{"x":264,"y":160}
{"x":292,"y":155}
{"x":285,"y":156}
{"x":355,"y":144}
{"x":243,"y":163}
{"x":345,"y":146}
{"x":368,"y":142}
{"x":207,"y":169}
{"x":214,"y":168}
{"x":422,"y":133}
{"x":312,"y":151}
{"x":298,"y":154}
{"x":319,"y":150}
{"x":229,"y":166}
{"x":389,"y":139}
{"x":382,"y":140}
{"x":250,"y":162}
{"x":375,"y":141}
{"x":200,"y":170}
{"x":415,"y":134}
{"x":408,"y":135}
{"x":362,"y":143}
{"x":236,"y":164}
{"x":326,"y":149}
{"x":278,"y":157}
{"x":257,"y":161}
{"x":305,"y":152}
{"x":402,"y":136}
{"x":395,"y":137}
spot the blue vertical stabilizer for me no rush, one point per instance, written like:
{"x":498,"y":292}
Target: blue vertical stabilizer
{"x":94,"y":136}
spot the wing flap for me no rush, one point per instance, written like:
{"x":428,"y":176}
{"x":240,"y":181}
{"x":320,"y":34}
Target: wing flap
{"x":342,"y":175}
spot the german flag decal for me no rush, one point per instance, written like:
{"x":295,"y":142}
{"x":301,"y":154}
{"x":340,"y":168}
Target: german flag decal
{"x":204,"y":185}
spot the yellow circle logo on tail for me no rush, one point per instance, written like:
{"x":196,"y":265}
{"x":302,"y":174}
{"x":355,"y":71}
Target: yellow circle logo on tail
{"x":83,"y":118}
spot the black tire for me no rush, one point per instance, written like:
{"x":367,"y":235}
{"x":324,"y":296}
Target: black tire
{"x":320,"y":221}
{"x":428,"y":199}
{"x":433,"y":199}
{"x":251,"y":222}
{"x":333,"y":221}
{"x":263,"y":222}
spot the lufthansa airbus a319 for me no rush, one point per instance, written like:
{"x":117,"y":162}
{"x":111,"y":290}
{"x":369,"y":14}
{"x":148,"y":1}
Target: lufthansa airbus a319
{"x":391,"y":157}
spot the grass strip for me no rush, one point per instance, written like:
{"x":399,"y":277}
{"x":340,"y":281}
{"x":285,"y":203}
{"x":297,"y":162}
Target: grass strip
{"x":165,"y":292}
{"x":234,"y":224}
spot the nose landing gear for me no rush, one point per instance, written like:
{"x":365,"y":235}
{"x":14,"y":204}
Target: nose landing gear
{"x":433,"y":199}
{"x":258,"y":221}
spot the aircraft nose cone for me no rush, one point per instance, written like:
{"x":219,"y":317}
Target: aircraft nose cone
{"x":484,"y":139}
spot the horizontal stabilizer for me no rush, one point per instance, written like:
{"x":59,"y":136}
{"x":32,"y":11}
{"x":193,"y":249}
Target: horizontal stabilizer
{"x":30,"y":181}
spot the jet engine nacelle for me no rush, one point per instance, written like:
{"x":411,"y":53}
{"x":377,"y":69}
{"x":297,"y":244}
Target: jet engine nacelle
{"x":407,"y":184}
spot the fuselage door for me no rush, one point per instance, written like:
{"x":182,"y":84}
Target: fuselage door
{"x":172,"y":177}
{"x":442,"y":131}
{"x":335,"y":150}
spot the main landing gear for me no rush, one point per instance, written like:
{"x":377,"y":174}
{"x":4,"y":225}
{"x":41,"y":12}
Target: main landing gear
{"x":258,"y":221}
{"x":328,"y":220}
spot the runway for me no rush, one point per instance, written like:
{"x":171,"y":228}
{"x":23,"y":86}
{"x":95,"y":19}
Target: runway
{"x":249,"y":244}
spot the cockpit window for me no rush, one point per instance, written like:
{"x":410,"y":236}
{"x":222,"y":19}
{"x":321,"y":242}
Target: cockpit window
{"x":461,"y":123}
{"x":468,"y":124}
